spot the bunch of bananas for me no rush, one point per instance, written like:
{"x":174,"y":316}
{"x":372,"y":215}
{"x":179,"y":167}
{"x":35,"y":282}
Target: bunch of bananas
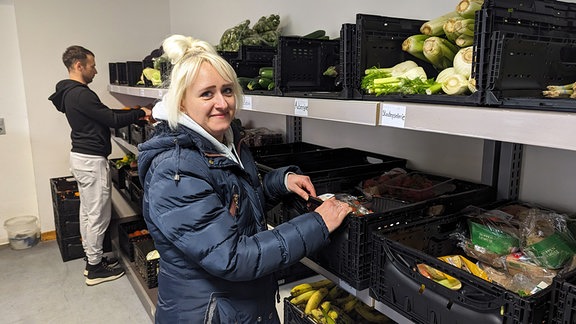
{"x":326,"y":303}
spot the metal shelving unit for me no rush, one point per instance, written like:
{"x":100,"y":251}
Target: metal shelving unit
{"x":504,"y":132}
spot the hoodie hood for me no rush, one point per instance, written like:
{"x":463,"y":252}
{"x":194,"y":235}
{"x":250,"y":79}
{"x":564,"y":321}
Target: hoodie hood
{"x":62,"y":88}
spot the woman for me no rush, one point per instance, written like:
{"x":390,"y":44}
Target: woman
{"x":204,"y":201}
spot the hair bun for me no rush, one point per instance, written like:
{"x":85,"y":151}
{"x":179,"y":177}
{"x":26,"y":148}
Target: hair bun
{"x":177,"y":46}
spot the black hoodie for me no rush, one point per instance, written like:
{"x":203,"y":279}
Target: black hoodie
{"x":89,"y":118}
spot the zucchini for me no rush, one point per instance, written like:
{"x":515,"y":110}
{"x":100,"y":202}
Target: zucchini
{"x":243,"y":81}
{"x":316,"y":34}
{"x":254,"y":85}
{"x":264,"y":82}
{"x":266,"y":72}
{"x":271,"y":85}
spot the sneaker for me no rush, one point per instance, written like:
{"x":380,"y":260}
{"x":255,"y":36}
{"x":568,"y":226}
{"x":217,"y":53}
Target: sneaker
{"x":102,"y":272}
{"x":110,"y":261}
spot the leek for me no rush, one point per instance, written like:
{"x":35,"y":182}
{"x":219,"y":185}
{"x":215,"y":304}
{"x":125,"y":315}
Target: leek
{"x":440,"y":52}
{"x":435,"y":27}
{"x":455,"y":84}
{"x":414,"y":45}
{"x":468,"y":8}
{"x":463,"y":61}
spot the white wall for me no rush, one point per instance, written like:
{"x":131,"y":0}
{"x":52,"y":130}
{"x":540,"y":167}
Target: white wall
{"x":17,"y":190}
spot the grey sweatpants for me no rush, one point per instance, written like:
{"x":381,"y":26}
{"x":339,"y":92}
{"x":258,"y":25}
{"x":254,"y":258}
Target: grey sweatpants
{"x":93,"y":176}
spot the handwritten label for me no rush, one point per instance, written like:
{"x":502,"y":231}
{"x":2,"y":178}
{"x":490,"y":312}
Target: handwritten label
{"x":392,"y":115}
{"x":247,"y":103}
{"x":301,"y":107}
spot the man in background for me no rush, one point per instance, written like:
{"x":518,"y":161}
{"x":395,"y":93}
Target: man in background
{"x":90,"y":121}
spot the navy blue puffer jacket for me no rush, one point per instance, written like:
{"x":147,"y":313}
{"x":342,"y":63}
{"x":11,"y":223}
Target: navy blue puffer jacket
{"x":206,"y":216}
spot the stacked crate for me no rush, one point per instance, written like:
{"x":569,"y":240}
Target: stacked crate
{"x":66,"y":204}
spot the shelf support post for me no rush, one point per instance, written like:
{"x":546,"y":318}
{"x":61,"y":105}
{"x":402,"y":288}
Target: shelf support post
{"x":501,"y":167}
{"x":293,"y":129}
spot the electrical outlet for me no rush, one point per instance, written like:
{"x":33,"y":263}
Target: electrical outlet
{"x":2,"y":128}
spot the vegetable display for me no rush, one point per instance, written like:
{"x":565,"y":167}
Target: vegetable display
{"x":405,"y":78}
{"x":324,"y":302}
{"x":264,"y":32}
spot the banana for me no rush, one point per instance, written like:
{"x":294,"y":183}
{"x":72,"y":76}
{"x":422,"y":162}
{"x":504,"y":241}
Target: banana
{"x":325,"y":305}
{"x":304,"y":287}
{"x":302,"y":298}
{"x":341,"y":316}
{"x":335,"y":292}
{"x":369,"y":314}
{"x":343,"y":300}
{"x":317,"y":315}
{"x":349,"y":305}
{"x":300,"y":289}
{"x":314,"y":300}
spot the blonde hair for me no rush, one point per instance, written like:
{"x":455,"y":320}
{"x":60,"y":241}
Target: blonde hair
{"x":187,"y":55}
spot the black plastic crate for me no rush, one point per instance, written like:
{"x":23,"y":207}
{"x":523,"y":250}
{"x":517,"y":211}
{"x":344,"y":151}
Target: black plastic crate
{"x":65,"y":198}
{"x":347,"y":71}
{"x":332,"y":163}
{"x":396,"y":282}
{"x":121,"y":70}
{"x":136,"y":193}
{"x":294,"y":315}
{"x":127,"y":237}
{"x":286,"y":148}
{"x":66,"y":227}
{"x":300,"y":64}
{"x":249,"y":69}
{"x":293,"y":273}
{"x":254,"y":53}
{"x":113,"y":73}
{"x":71,"y":247}
{"x":148,"y":269}
{"x":133,"y":72}
{"x":563,"y":300}
{"x":379,"y":44}
{"x":123,"y":133}
{"x":137,"y":134}
{"x":523,"y":46}
{"x":148,"y":131}
{"x":349,"y":254}
{"x":118,"y":176}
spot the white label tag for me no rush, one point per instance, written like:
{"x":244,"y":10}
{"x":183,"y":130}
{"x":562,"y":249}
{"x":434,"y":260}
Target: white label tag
{"x":392,"y":115}
{"x":247,"y":103}
{"x":301,"y":107}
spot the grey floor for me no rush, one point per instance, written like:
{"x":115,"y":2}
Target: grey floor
{"x":36,"y":286}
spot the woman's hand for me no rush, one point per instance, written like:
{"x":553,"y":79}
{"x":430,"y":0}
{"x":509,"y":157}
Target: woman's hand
{"x":333,"y":212}
{"x":300,"y":185}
